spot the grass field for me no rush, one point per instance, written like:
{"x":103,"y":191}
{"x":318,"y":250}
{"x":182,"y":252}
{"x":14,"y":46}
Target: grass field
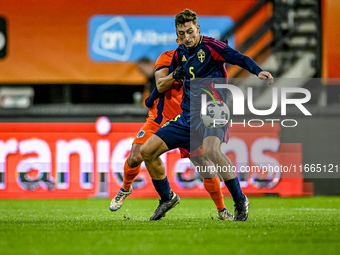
{"x":307,"y":225}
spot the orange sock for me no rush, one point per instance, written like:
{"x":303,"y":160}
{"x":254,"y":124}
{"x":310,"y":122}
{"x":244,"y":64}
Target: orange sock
{"x":214,"y":189}
{"x":130,"y":174}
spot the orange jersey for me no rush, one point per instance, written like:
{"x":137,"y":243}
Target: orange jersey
{"x":168,"y":105}
{"x":164,"y":108}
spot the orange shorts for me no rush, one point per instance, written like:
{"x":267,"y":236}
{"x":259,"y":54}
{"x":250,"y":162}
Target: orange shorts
{"x":147,"y":130}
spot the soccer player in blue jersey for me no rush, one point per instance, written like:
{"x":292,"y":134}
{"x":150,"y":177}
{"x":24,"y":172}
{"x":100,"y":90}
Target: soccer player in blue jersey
{"x":198,"y":58}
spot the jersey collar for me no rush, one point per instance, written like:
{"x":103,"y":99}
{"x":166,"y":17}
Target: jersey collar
{"x":201,"y":39}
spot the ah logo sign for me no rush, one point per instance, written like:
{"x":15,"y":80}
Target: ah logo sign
{"x":111,"y":40}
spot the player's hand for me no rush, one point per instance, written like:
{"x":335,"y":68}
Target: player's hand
{"x":264,"y":75}
{"x":178,"y":74}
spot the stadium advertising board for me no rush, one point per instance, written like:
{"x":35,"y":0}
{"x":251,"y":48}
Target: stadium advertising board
{"x":330,"y":40}
{"x":83,"y":160}
{"x":129,"y":38}
{"x":55,"y":41}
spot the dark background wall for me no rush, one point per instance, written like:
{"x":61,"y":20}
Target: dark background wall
{"x":320,"y":139}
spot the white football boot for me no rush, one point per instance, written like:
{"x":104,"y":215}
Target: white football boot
{"x":117,"y":201}
{"x":225,"y":215}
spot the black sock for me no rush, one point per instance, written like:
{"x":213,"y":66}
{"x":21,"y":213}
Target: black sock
{"x":235,"y":190}
{"x":163,"y":188}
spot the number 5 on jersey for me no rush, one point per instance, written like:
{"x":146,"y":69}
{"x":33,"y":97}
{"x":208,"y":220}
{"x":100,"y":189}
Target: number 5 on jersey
{"x":191,"y":68}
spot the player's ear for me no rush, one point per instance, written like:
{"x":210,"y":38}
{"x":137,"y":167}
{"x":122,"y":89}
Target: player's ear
{"x":198,"y":28}
{"x":178,"y":41}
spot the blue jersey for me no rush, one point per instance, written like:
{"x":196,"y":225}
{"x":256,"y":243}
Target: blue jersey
{"x":206,"y":62}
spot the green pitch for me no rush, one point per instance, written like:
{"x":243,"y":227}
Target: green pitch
{"x":275,"y":226}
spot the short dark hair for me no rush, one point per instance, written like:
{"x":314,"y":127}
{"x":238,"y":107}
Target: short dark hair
{"x":144,"y":60}
{"x":186,"y":16}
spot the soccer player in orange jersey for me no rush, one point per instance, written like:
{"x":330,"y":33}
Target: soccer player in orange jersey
{"x":163,"y":107}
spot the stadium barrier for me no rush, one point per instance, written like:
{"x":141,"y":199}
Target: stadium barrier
{"x":84,"y":160}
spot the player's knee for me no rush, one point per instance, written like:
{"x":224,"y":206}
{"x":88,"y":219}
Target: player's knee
{"x":201,"y":160}
{"x":146,"y":153}
{"x":212,"y":153}
{"x":135,"y":159}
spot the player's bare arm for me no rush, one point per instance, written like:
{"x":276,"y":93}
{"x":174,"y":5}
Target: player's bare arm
{"x":164,"y":80}
{"x":264,"y":75}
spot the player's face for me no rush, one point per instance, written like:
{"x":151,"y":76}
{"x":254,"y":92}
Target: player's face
{"x":146,"y":69}
{"x":189,"y":34}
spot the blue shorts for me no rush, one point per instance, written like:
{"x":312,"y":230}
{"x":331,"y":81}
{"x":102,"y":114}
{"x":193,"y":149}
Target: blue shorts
{"x":179,"y":133}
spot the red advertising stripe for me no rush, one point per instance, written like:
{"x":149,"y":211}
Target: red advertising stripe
{"x":73,"y":160}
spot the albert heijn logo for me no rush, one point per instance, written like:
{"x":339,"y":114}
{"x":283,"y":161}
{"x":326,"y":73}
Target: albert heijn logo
{"x":3,"y":38}
{"x":110,"y":39}
{"x":114,"y":38}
